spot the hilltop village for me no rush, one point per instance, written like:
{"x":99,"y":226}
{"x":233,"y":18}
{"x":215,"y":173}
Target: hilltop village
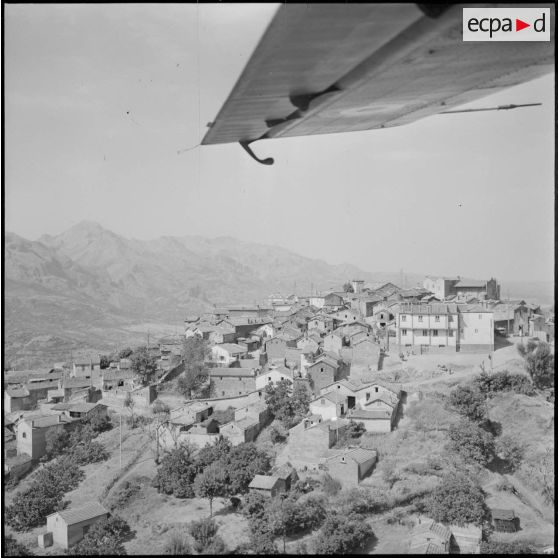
{"x":313,"y":396}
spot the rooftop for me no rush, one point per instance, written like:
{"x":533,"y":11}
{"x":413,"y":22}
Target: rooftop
{"x":263,"y":482}
{"x":232,"y":372}
{"x":232,"y":348}
{"x":507,"y":515}
{"x":83,"y":513}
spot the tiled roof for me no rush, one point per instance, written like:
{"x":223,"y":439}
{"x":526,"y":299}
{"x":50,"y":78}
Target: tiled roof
{"x":330,"y":396}
{"x":473,"y":308}
{"x":430,"y":526}
{"x":17,"y":392}
{"x":232,"y":348}
{"x":84,"y":407}
{"x":232,"y":372}
{"x":77,"y":383}
{"x":47,"y":420}
{"x":263,"y":482}
{"x":506,"y":515}
{"x":83,"y":513}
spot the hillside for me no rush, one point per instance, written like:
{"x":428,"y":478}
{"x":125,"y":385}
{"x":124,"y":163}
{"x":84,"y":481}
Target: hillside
{"x":91,"y":288}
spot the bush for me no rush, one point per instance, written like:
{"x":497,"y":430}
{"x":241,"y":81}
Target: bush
{"x":331,"y":486}
{"x":471,"y":442}
{"x":176,"y":473}
{"x":203,"y":532}
{"x":515,"y":547}
{"x":511,"y":451}
{"x":490,"y":384}
{"x":11,"y":547}
{"x":104,"y":538}
{"x":469,"y":402}
{"x":458,"y":499}
{"x":93,"y":452}
{"x":177,"y":545}
{"x":342,"y":534}
{"x":277,"y":435}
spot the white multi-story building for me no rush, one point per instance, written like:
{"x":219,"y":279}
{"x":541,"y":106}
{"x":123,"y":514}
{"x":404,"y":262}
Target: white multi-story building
{"x":444,"y":327}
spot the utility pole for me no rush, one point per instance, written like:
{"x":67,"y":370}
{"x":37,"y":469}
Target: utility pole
{"x":121,"y":441}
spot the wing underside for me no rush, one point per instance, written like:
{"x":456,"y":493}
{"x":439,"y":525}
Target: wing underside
{"x":329,"y":68}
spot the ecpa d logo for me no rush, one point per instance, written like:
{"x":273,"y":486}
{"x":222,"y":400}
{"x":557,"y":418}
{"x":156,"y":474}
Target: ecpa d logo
{"x":506,"y":24}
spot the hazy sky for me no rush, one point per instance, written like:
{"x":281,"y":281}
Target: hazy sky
{"x":468,"y":194}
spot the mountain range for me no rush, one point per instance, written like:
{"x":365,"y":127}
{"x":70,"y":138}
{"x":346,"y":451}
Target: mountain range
{"x":91,"y":289}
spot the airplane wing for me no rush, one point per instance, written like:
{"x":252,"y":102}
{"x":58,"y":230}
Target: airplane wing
{"x":329,"y":68}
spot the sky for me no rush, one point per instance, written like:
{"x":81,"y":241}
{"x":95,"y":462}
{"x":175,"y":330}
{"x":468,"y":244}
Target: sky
{"x":101,"y":102}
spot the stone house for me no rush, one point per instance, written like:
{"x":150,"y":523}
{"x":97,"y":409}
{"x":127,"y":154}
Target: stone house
{"x":257,"y":410}
{"x":239,"y":432}
{"x":81,"y":410}
{"x":191,"y":413}
{"x":350,"y":466}
{"x":333,"y":342}
{"x":329,"y":406}
{"x":85,"y":367}
{"x":287,"y":476}
{"x":32,"y":433}
{"x":17,"y":398}
{"x":272,"y":376}
{"x":69,"y":526}
{"x":231,"y":382}
{"x":227,"y":353}
{"x":111,"y":378}
{"x":321,"y":322}
{"x":308,"y":345}
{"x":268,"y":486}
{"x":322,"y":373}
{"x":276,"y":348}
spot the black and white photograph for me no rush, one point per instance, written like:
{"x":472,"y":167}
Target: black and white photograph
{"x":278,"y":278}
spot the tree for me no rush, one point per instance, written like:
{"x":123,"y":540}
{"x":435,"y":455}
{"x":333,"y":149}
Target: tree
{"x":489,"y":384}
{"x":130,"y":403}
{"x":125,"y":353}
{"x":144,"y":364}
{"x":510,"y":451}
{"x":211,"y":453}
{"x":471,"y":442}
{"x":212,"y":483}
{"x":348,"y":288}
{"x":242,"y":464}
{"x":56,"y":443}
{"x":468,"y":402}
{"x":104,"y":538}
{"x":457,"y":500}
{"x":12,"y":548}
{"x":341,"y":534}
{"x":195,"y":352}
{"x":176,"y":473}
{"x":288,"y":403}
{"x":539,"y":363}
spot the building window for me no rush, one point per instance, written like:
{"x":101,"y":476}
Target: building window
{"x":24,"y":435}
{"x":420,"y":318}
{"x":223,"y":393}
{"x":450,"y":318}
{"x":403,"y":318}
{"x":476,"y":330}
{"x":403,"y":332}
{"x":368,"y":396}
{"x":425,"y":333}
{"x":435,"y":333}
{"x":322,"y":401}
{"x":450,"y":333}
{"x":322,"y":369}
{"x":436,"y":318}
{"x":376,"y":389}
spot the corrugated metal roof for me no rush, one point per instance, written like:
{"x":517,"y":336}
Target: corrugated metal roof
{"x":72,"y":516}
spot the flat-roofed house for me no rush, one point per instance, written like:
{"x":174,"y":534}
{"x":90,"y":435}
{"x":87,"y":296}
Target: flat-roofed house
{"x":350,"y":466}
{"x":69,"y":526}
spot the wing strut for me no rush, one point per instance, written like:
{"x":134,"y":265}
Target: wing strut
{"x":246,"y":146}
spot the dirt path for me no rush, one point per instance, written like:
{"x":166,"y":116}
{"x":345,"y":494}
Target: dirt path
{"x":531,"y":498}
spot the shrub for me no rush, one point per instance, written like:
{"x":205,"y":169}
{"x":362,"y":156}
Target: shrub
{"x":458,"y":499}
{"x":93,"y":452}
{"x":177,"y":545}
{"x":515,"y":547}
{"x":277,"y":435}
{"x":471,"y":442}
{"x":203,"y":532}
{"x":490,"y":384}
{"x":104,"y":538}
{"x":11,"y":547}
{"x":342,"y":534}
{"x":469,"y":402}
{"x":331,"y":486}
{"x":511,"y":451}
{"x":176,"y":473}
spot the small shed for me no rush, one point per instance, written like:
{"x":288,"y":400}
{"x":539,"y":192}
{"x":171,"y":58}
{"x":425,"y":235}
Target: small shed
{"x":69,"y":526}
{"x":505,"y":520}
{"x":265,"y":485}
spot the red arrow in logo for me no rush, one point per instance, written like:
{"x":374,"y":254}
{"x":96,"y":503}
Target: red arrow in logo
{"x":519,"y":25}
